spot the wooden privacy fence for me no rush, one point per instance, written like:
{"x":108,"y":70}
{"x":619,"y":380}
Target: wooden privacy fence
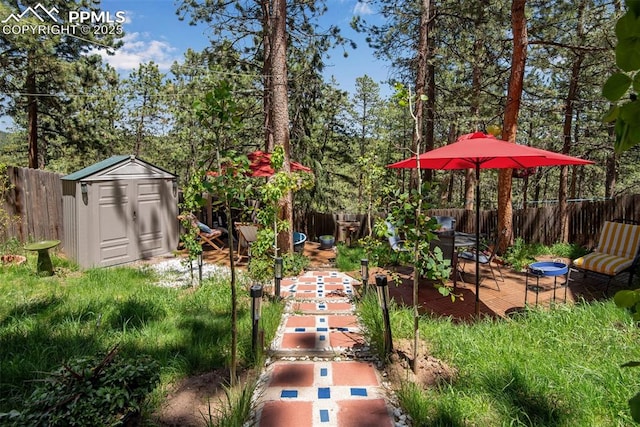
{"x":533,"y":225}
{"x":33,"y":205}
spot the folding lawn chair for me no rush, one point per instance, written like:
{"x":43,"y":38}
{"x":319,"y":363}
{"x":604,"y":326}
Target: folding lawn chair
{"x":247,"y":234}
{"x":205,"y":233}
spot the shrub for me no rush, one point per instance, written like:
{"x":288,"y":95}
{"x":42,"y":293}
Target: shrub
{"x":261,"y":268}
{"x":90,"y":392}
{"x":348,"y":258}
{"x":522,"y":254}
{"x":567,"y":250}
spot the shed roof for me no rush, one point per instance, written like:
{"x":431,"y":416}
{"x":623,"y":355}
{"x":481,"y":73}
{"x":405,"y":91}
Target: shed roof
{"x":103,"y":165}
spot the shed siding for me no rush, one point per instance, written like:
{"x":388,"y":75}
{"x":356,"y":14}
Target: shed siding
{"x":70,"y":219}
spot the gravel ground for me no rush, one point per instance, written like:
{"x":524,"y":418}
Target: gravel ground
{"x":176,"y":273}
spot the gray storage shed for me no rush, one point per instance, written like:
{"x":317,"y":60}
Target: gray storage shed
{"x":119,"y":210}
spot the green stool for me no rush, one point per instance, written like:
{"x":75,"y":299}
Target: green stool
{"x":44,"y":260}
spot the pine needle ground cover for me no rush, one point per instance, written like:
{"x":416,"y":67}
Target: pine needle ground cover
{"x":559,"y":367}
{"x":46,"y":321}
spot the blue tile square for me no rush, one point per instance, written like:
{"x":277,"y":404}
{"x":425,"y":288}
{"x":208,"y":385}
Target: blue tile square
{"x":324,"y":393}
{"x":358,"y":391}
{"x":324,"y":372}
{"x":289,"y":394}
{"x":324,"y":415}
{"x":322,"y":320}
{"x":322,"y":307}
{"x":323,"y":329}
{"x":322,"y":338}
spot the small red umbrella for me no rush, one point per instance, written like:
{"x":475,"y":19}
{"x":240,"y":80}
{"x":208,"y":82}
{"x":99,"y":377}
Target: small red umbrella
{"x":261,"y":164}
{"x":481,"y":151}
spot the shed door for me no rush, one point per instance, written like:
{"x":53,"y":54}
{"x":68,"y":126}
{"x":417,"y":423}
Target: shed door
{"x":114,"y":221}
{"x":131,"y":219}
{"x":149,"y":218}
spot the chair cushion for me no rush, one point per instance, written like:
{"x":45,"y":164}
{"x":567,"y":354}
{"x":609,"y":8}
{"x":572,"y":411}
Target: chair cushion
{"x":396,"y":243}
{"x":483,"y":259}
{"x":212,"y":234}
{"x":603,"y":263}
{"x":204,"y":228}
{"x":621,"y":240}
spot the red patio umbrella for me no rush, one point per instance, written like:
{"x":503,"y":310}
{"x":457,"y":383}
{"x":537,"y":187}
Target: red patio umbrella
{"x":481,"y":151}
{"x":261,"y":164}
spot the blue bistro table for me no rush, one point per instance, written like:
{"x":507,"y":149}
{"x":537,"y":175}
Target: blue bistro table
{"x":546,"y":269}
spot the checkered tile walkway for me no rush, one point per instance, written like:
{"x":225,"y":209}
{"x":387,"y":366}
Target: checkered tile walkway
{"x":317,"y":379}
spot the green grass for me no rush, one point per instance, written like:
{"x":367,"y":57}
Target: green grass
{"x":543,"y":368}
{"x":45,"y":321}
{"x":348,"y":258}
{"x":235,"y":410}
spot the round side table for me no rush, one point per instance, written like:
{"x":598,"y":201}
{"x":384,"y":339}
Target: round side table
{"x":546,"y":269}
{"x":44,"y":260}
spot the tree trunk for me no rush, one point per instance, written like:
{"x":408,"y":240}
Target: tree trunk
{"x":421,"y":79}
{"x":563,"y":213}
{"x":476,"y":82}
{"x":430,"y":103}
{"x":266,"y":76}
{"x":280,"y":108}
{"x":140,"y":127}
{"x":514,"y":96}
{"x":233,"y":369}
{"x":610,"y":180}
{"x":563,"y":217}
{"x":32,"y":119}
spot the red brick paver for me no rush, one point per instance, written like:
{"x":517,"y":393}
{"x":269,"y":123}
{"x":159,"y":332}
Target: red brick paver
{"x":307,"y":387}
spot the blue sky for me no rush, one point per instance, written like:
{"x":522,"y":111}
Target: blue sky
{"x":154,"y":32}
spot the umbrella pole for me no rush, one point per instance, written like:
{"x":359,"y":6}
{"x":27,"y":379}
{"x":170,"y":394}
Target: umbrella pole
{"x":477,"y":238}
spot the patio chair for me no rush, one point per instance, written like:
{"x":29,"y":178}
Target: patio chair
{"x":618,"y":251}
{"x":247,"y":234}
{"x":206,"y":235}
{"x":396,"y":243}
{"x":446,"y":223}
{"x":487,"y":256}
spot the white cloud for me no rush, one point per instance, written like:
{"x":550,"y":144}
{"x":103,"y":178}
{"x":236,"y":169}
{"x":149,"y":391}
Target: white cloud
{"x":139,"y":48}
{"x":362,"y":8}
